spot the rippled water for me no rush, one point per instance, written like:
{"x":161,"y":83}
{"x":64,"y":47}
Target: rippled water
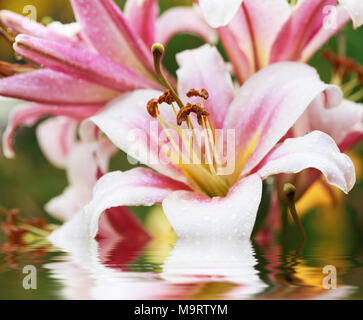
{"x":183,"y":270}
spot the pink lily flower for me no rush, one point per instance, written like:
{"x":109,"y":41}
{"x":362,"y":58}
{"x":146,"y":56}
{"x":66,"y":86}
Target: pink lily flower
{"x":264,"y":32}
{"x":106,"y":54}
{"x":196,"y":200}
{"x":259,"y":33}
{"x":219,"y":13}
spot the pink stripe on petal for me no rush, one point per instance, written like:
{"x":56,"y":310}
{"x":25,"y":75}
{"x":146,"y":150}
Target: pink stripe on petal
{"x":110,"y":33}
{"x":18,"y":24}
{"x":28,"y":115}
{"x":142,"y":17}
{"x":325,"y":34}
{"x":81,"y":63}
{"x":241,"y":64}
{"x":48,"y":86}
{"x":269,"y":104}
{"x":183,"y":20}
{"x":315,"y":150}
{"x":304,"y":24}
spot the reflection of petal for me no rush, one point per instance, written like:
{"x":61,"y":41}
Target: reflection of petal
{"x":199,"y":261}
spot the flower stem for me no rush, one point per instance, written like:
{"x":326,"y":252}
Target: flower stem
{"x":290,"y":191}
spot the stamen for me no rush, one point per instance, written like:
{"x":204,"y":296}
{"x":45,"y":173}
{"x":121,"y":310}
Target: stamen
{"x":153,"y":108}
{"x":167,"y":97}
{"x":196,"y":93}
{"x":290,"y":191}
{"x":188,"y":109}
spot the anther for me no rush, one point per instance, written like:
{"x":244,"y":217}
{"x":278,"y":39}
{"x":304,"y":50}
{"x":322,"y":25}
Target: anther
{"x":166,"y":97}
{"x":187,"y":110}
{"x":152,"y":107}
{"x":196,"y":93}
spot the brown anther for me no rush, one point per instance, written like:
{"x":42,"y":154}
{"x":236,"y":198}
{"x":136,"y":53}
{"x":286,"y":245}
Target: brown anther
{"x":152,"y":107}
{"x":188,"y":109}
{"x":196,"y":93}
{"x":166,"y":97}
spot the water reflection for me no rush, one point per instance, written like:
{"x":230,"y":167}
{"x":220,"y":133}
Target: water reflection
{"x":202,"y":269}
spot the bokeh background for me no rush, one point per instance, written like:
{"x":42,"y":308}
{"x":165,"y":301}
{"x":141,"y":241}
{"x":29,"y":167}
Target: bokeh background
{"x":29,"y":181}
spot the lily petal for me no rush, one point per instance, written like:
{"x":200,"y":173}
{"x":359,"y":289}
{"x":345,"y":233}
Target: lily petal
{"x":219,"y":13}
{"x":253,"y":31}
{"x":142,"y":16}
{"x":204,"y":68}
{"x":126,"y":122}
{"x":111,"y":35}
{"x":135,"y":187}
{"x":56,"y":137}
{"x":324,"y":34}
{"x":195,"y":215}
{"x":83,"y":164}
{"x":315,"y":150}
{"x":183,"y":20}
{"x":337,"y":122}
{"x":355,"y":9}
{"x":268,"y":105}
{"x":29,"y":114}
{"x":305,"y":22}
{"x":81,"y":63}
{"x":48,"y":86}
{"x":18,"y":24}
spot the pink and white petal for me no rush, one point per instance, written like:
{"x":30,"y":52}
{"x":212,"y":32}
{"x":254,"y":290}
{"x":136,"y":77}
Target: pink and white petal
{"x":69,"y":30}
{"x":355,"y":136}
{"x":111,"y":35}
{"x":195,"y":215}
{"x":126,"y":122}
{"x":136,"y":187}
{"x":83,"y":165}
{"x":52,"y":87}
{"x":18,"y":24}
{"x":324,"y":34}
{"x":269,"y":104}
{"x":242,"y":65}
{"x":337,"y":122}
{"x":355,"y":9}
{"x":219,"y":13}
{"x":142,"y":16}
{"x":29,"y":114}
{"x":56,"y":137}
{"x":204,"y":68}
{"x":81,"y":63}
{"x":314,"y":150}
{"x":183,"y":20}
{"x":264,"y":19}
{"x":305,"y":22}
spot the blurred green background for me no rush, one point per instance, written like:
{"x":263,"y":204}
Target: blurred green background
{"x":29,"y":181}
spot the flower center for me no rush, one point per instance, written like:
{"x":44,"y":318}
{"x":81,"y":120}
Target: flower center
{"x":194,"y":150}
